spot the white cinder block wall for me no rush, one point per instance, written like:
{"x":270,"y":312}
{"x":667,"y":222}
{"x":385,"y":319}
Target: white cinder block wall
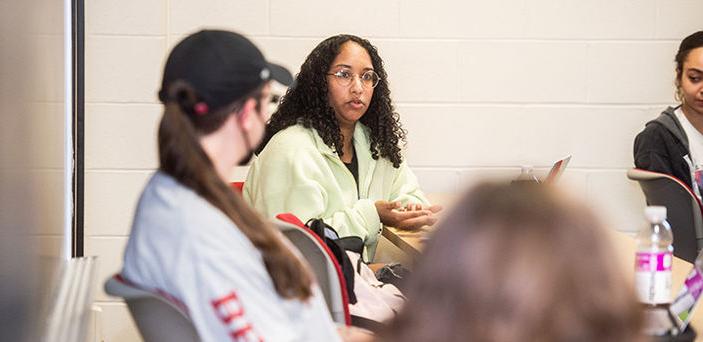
{"x":482,"y":87}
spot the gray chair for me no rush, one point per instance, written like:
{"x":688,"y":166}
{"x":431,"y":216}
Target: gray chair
{"x":158,"y":318}
{"x":682,"y":206}
{"x":323,"y":266}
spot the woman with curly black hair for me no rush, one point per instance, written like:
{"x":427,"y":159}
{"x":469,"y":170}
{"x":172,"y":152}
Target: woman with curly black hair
{"x":333,"y":148}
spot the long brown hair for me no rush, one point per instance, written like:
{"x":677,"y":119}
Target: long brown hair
{"x":518,"y":263}
{"x":182,"y":157}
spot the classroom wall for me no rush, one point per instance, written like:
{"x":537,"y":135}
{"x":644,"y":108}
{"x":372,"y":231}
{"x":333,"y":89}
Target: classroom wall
{"x":33,"y":240}
{"x":482,"y":87}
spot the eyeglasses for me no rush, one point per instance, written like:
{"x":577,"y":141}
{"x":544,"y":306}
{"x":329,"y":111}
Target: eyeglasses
{"x":369,"y":79}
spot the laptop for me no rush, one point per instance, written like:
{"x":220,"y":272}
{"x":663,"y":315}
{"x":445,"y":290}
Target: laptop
{"x":673,"y":320}
{"x":687,"y":300}
{"x":557,"y":169}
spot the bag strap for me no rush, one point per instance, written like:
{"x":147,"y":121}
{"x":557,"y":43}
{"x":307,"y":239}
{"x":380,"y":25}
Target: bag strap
{"x":322,"y":229}
{"x":294,"y":220}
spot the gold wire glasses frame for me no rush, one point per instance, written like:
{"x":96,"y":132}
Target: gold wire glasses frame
{"x":368,"y":79}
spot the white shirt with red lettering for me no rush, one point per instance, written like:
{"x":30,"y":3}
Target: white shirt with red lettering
{"x":182,"y":245}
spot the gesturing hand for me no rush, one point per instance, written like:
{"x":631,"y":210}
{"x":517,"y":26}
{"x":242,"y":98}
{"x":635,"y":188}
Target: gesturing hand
{"x":416,"y":206}
{"x":406,"y":219}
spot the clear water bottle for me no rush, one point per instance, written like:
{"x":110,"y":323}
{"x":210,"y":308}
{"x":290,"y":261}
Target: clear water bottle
{"x":654,"y":258}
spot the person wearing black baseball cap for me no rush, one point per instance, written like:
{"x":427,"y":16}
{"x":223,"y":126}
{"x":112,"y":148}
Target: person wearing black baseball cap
{"x":194,"y":238}
{"x":212,"y":71}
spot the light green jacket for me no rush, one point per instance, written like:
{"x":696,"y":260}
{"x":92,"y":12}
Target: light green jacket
{"x":298,"y":173}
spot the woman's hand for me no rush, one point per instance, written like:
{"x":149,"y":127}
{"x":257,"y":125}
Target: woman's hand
{"x":393,"y":215}
{"x":417,"y":206}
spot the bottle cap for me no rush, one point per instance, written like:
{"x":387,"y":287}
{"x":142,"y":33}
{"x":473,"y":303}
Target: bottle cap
{"x":655,"y":213}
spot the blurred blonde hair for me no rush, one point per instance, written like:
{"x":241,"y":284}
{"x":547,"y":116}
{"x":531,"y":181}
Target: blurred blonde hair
{"x":518,"y":263}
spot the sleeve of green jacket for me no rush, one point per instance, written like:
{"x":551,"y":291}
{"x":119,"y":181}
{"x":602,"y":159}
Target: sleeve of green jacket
{"x":296,"y":181}
{"x":406,"y":188}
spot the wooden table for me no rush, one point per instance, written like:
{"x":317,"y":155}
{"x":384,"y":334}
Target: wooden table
{"x":412,"y":242}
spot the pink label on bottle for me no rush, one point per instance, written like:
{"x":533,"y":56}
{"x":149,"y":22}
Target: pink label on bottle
{"x":647,"y":261}
{"x":698,"y":177}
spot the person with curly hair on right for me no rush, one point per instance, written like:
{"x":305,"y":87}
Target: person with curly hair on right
{"x":332,"y":150}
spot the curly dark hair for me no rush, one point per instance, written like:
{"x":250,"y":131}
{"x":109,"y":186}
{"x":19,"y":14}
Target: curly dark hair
{"x":306,"y":102}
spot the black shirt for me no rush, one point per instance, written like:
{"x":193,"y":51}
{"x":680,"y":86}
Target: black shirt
{"x":353,"y":167}
{"x":661,"y":147}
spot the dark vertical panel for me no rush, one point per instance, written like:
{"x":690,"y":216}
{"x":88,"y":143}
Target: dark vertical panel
{"x":78,"y":125}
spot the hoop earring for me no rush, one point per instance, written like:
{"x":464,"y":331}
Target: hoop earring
{"x":678,"y":95}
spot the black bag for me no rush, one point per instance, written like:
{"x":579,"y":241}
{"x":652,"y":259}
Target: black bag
{"x":393,"y":273}
{"x":338,"y":246}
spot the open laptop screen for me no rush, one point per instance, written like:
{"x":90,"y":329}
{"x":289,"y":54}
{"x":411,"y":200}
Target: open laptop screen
{"x":687,"y":300}
{"x":557,"y":169}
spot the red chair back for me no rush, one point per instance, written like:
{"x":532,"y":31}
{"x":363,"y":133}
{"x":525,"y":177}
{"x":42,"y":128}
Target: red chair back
{"x":294,"y":220}
{"x":238,"y":186}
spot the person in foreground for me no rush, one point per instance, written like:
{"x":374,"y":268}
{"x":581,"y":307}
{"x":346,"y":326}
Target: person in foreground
{"x":332,"y":150}
{"x":673,"y":142}
{"x":518,"y":263}
{"x":195,"y":239}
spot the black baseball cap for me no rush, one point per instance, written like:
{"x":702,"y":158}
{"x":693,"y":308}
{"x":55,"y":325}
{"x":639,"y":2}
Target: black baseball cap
{"x":221,"y":67}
